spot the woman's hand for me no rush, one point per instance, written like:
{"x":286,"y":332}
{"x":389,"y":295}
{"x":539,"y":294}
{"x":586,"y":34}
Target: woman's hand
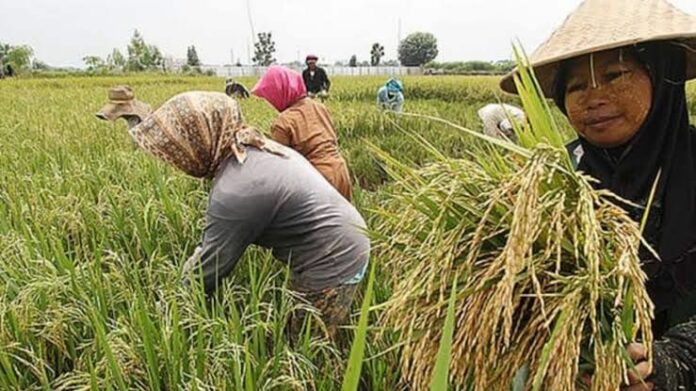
{"x":637,"y":376}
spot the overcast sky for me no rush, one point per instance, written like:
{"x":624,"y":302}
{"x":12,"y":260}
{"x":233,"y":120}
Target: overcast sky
{"x":62,"y":32}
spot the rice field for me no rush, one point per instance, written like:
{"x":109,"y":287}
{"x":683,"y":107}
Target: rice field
{"x":93,"y":234}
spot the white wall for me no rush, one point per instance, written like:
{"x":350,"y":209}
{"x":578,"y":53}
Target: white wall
{"x":233,"y":71}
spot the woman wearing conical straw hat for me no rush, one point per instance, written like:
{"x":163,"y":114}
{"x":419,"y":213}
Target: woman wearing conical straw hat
{"x":618,"y":69}
{"x":262,"y":193}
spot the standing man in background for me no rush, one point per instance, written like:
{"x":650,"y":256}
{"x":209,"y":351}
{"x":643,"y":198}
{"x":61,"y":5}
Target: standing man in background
{"x":315,"y":78}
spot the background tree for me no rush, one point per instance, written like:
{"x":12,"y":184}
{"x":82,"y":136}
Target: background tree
{"x":116,"y":60}
{"x":418,"y":49}
{"x":155,"y":59}
{"x":376,"y":54}
{"x":38,"y":65}
{"x":143,"y":57}
{"x":136,"y":52}
{"x":18,"y":57}
{"x":94,"y":63}
{"x":353,"y":62}
{"x":264,"y":50}
{"x":4,"y":49}
{"x":504,"y":66}
{"x":192,"y":57}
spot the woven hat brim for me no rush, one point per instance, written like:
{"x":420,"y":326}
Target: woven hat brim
{"x":546,"y":71}
{"x":113,"y":111}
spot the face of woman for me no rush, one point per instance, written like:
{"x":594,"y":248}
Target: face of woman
{"x":608,"y":97}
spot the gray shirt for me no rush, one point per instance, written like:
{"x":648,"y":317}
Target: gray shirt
{"x":284,"y":204}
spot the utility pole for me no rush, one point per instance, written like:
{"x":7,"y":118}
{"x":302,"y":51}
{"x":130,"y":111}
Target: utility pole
{"x":249,"y":53}
{"x":398,"y":34}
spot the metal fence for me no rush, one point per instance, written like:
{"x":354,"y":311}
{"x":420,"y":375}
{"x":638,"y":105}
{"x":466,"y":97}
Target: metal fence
{"x":235,"y":71}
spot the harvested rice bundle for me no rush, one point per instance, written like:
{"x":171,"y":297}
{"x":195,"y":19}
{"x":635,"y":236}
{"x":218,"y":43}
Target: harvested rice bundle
{"x":547,"y":268}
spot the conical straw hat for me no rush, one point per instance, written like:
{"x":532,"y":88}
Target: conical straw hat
{"x":599,"y":25}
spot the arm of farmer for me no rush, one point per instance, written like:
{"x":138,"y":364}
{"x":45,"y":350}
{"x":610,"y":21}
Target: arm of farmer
{"x":399,"y":103}
{"x":231,"y":226}
{"x":281,"y":132}
{"x":674,"y":362}
{"x":382,"y":98}
{"x":327,"y":82}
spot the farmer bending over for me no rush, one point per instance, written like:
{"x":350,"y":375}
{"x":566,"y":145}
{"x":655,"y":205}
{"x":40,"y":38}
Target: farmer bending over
{"x":262,"y":193}
{"x":497,"y":120}
{"x":235,"y":90}
{"x":628,"y":106}
{"x":304,"y":125}
{"x":391,"y":96}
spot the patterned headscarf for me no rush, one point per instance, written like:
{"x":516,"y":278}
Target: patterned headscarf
{"x":197,"y":131}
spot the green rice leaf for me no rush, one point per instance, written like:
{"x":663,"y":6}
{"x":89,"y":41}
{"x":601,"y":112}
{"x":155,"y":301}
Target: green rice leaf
{"x":441,"y":373}
{"x":351,"y":379}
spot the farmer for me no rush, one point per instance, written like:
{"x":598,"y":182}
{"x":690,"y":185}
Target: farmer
{"x":304,"y":125}
{"x":316,"y":80}
{"x":262,"y":193}
{"x":391,"y":96}
{"x":235,"y":90}
{"x":618,"y":73}
{"x":497,"y":119}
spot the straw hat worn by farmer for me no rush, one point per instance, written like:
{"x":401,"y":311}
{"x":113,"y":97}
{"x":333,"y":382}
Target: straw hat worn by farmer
{"x":391,"y":96}
{"x":315,"y":79}
{"x":304,"y":125}
{"x":618,"y":70}
{"x":498,"y":119}
{"x":122,"y":104}
{"x":263,"y":193}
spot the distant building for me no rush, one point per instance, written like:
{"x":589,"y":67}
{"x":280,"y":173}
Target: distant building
{"x":172,"y":64}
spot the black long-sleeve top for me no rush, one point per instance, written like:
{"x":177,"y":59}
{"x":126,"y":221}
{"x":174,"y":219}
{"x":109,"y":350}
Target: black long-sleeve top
{"x":317,"y":82}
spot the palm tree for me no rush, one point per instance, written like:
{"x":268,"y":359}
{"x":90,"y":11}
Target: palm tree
{"x":376,"y":54}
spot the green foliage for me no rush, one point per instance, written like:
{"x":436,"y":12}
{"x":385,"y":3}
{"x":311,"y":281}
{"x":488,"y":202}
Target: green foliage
{"x":353,"y":62}
{"x":4,"y":49}
{"x":418,"y":49}
{"x":141,"y":56}
{"x":376,"y":54}
{"x":116,"y":60}
{"x":18,"y":57}
{"x":351,"y":379}
{"x":94,"y":63}
{"x":192,"y":57}
{"x":264,"y":50}
{"x":472,"y":67}
{"x":38,"y":65}
{"x":440,"y":380}
{"x":93,"y":233}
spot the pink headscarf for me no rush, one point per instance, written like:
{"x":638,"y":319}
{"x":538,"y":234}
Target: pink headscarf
{"x":281,"y":87}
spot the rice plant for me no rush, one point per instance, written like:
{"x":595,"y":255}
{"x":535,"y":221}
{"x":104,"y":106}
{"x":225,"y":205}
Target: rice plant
{"x":93,"y":234}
